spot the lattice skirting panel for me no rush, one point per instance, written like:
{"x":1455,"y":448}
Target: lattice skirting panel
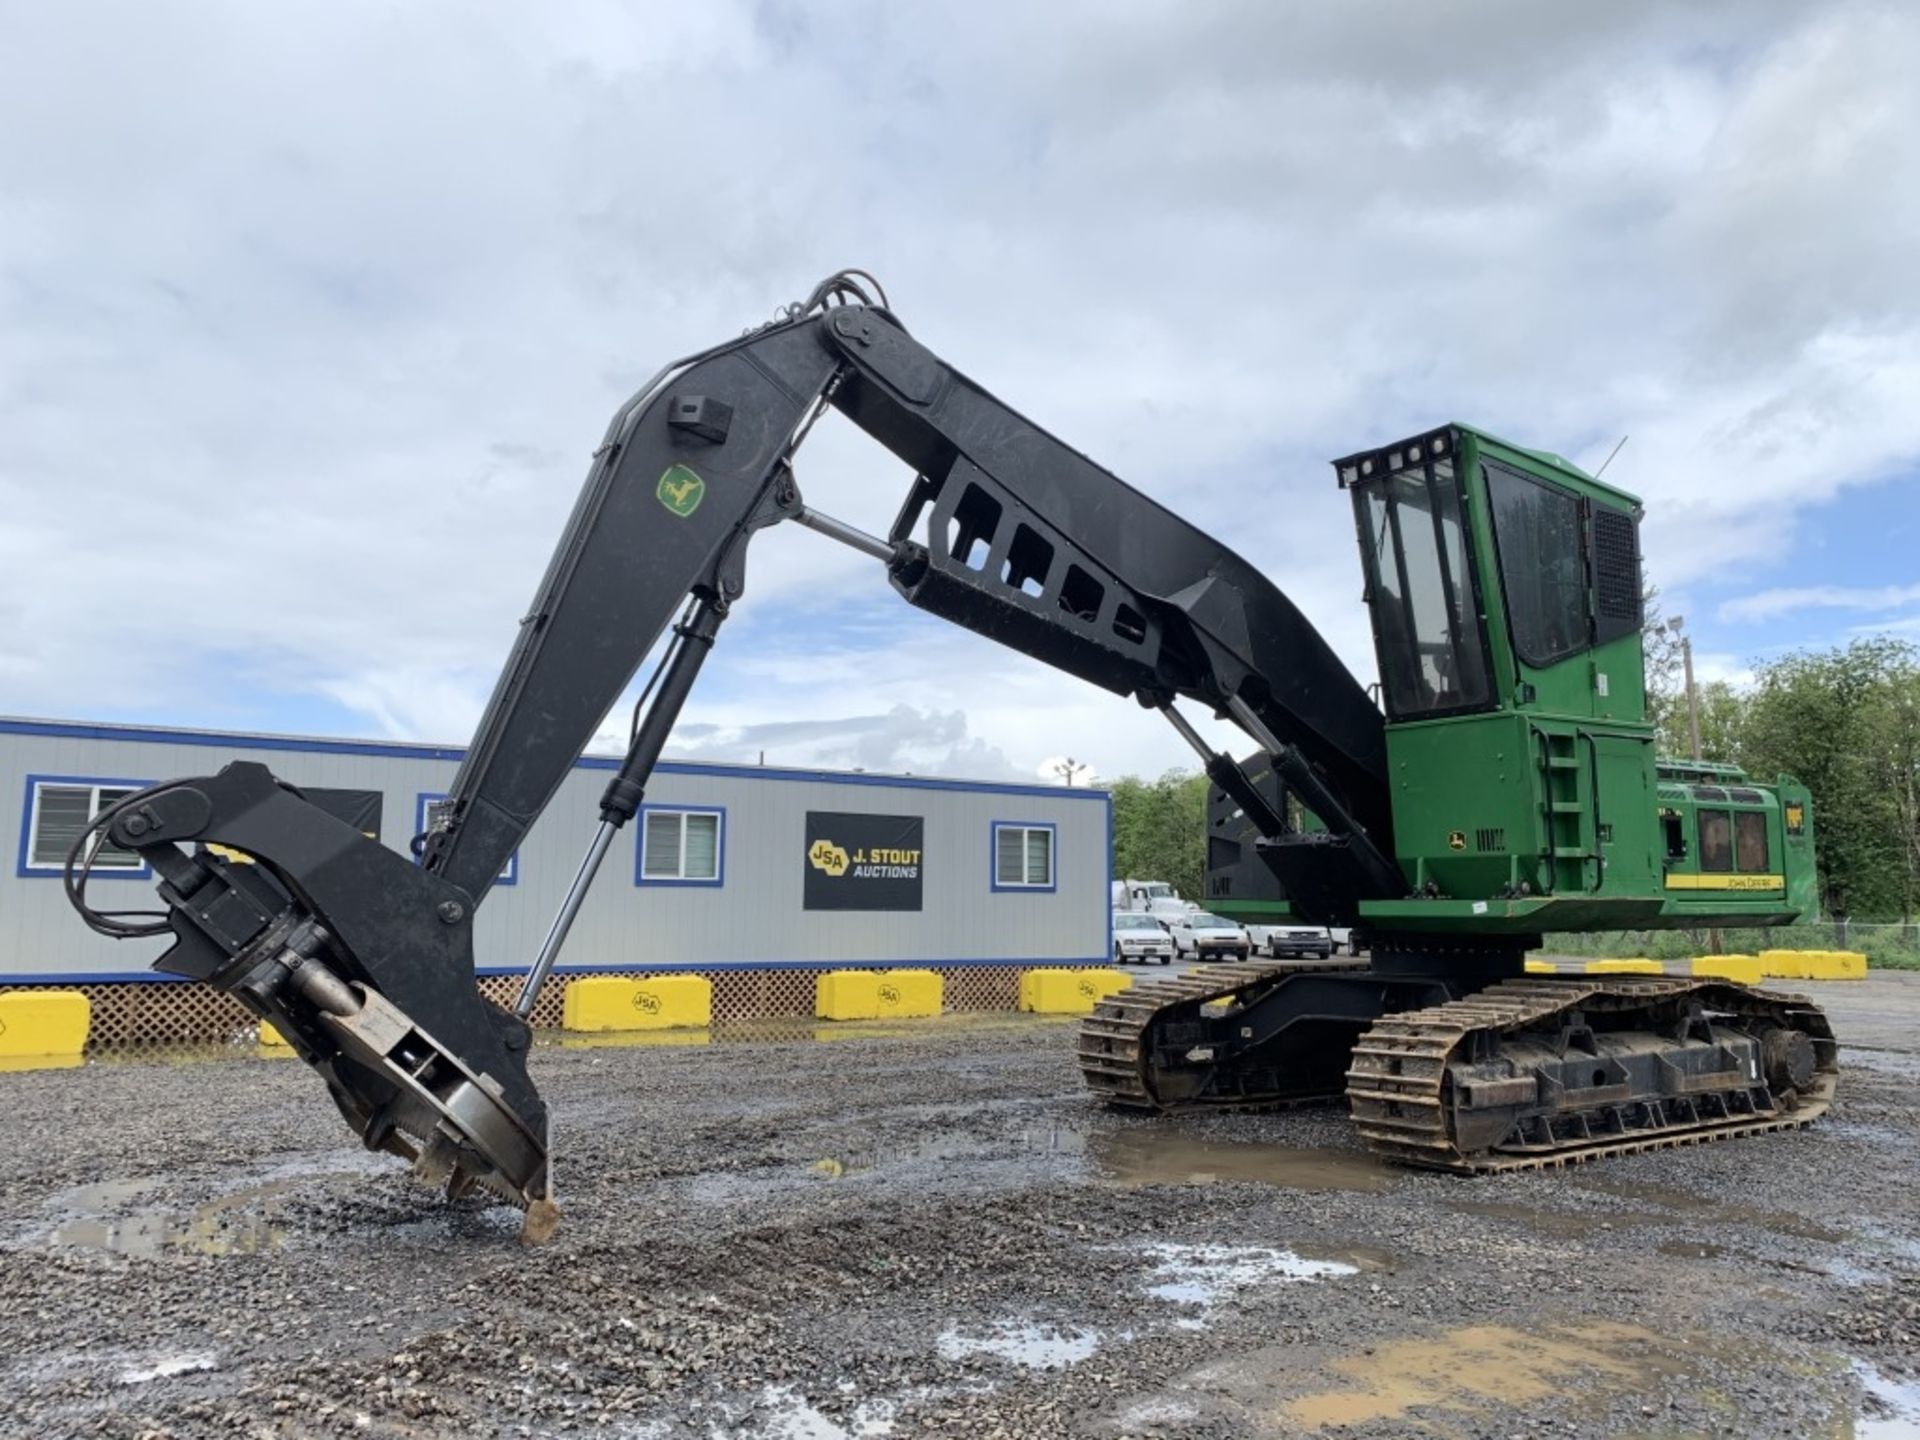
{"x":187,"y":1014}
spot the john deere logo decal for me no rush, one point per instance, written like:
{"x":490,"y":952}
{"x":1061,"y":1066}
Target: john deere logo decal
{"x":681,"y":491}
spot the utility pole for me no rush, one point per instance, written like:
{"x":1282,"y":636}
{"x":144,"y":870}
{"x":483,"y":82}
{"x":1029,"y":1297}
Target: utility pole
{"x":1693,"y":698}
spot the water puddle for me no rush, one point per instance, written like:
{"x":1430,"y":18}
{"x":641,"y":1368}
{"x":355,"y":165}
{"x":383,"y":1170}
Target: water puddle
{"x":1474,"y":1369}
{"x":794,"y":1029}
{"x":1024,"y":1146}
{"x":1780,"y":1222}
{"x":1024,"y":1343}
{"x":166,"y":1368}
{"x":1889,"y":1410}
{"x":1204,"y":1275}
{"x":791,"y":1417}
{"x":1556,"y":1223}
{"x":244,"y":1221}
{"x":634,"y":1039}
{"x":1664,"y":1203}
{"x":1167,"y":1157}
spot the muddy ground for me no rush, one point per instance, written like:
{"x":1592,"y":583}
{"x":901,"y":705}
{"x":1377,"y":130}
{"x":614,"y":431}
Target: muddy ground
{"x":931,"y":1232}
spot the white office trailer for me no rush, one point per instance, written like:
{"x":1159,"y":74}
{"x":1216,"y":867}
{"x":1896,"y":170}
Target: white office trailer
{"x":730,"y":870}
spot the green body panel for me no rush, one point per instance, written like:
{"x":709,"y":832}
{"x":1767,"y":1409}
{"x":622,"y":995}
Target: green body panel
{"x":1763,"y":862}
{"x":1526,"y":794}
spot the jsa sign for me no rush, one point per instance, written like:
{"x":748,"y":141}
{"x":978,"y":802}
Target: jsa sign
{"x":863,"y":862}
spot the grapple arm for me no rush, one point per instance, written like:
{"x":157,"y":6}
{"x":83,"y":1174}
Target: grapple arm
{"x":364,"y":959}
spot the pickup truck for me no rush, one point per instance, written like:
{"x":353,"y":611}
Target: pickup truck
{"x":1208,"y":937}
{"x":1140,"y":939}
{"x":1287,"y":941}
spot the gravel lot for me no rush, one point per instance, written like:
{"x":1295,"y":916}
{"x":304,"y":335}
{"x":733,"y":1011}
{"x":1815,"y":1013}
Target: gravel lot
{"x":931,"y":1232}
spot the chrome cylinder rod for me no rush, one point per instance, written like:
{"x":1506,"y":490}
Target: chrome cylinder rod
{"x":1254,"y":726}
{"x":851,"y":535}
{"x":1188,"y":734}
{"x":563,"y":920}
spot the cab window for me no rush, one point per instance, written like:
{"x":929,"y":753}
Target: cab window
{"x":1426,"y":626}
{"x":1716,"y":841}
{"x":1540,"y":534}
{"x":1750,"y":842}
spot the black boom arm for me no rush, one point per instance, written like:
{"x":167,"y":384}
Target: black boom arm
{"x":1006,"y":530}
{"x":359,"y":957}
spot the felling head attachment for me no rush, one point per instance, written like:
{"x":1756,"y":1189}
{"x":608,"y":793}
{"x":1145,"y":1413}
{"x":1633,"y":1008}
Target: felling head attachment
{"x":360,"y":958}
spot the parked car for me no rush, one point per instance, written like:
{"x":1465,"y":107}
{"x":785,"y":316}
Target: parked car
{"x":1303,"y":941}
{"x":1140,"y":940}
{"x":1208,"y":937}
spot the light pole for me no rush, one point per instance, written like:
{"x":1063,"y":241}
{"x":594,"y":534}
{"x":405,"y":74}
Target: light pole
{"x":1066,"y":767}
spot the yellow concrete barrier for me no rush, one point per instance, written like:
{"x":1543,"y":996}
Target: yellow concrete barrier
{"x":272,"y":1039}
{"x":907,"y":993}
{"x":1623,"y":967}
{"x":847,"y":995}
{"x":1542,"y":967}
{"x":44,"y":1022}
{"x":1789,"y":964}
{"x":1848,"y":964}
{"x":1833,"y":965}
{"x":661,"y":1002}
{"x":15,"y":1064}
{"x":1069,"y":992}
{"x":1741,"y":969}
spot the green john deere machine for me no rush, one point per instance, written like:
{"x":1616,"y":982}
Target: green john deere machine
{"x":1503,"y":786}
{"x":1522,"y":797}
{"x":1504,"y":589}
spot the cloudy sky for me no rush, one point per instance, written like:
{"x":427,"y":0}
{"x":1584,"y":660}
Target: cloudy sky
{"x":310,"y":315}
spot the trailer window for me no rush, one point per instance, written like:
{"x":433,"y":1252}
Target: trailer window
{"x":1426,"y":626}
{"x":1716,"y":841}
{"x":1750,"y":842}
{"x":59,"y":810}
{"x":1543,"y":565}
{"x":682,"y":847}
{"x":1023,"y":857}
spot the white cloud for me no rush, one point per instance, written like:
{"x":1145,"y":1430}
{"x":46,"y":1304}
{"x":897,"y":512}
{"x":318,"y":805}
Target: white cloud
{"x":1768,"y":604}
{"x":310,"y":314}
{"x":1710,"y":666}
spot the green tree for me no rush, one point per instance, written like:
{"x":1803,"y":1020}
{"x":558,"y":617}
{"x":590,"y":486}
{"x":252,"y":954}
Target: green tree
{"x":1723,"y":716}
{"x":1666,"y":686}
{"x":1160,"y":830}
{"x":1846,"y":722}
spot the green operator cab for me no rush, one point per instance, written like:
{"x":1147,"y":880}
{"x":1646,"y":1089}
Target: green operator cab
{"x":1505,"y":594}
{"x":1506,"y":601}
